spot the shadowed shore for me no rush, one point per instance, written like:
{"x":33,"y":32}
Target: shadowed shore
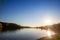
{"x":4,"y":26}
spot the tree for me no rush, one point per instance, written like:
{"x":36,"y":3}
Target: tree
{"x":0,"y":27}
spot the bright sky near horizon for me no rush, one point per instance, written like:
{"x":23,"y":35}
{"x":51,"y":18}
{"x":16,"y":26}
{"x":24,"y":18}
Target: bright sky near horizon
{"x":30,"y":12}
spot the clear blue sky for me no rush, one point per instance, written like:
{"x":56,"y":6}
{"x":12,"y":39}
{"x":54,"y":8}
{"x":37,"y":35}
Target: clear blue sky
{"x":30,"y":12}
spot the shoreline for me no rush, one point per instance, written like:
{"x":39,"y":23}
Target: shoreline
{"x":53,"y":37}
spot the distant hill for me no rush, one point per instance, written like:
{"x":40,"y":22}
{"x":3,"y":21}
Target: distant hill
{"x":9,"y":26}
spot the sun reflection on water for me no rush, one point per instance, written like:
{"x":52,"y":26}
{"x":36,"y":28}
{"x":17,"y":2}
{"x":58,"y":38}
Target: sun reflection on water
{"x":49,"y":33}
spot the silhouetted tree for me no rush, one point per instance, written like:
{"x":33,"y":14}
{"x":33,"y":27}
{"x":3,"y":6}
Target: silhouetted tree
{"x":8,"y":26}
{"x":0,"y":26}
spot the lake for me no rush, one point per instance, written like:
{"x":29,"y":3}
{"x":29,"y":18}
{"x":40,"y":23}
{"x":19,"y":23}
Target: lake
{"x":23,"y":34}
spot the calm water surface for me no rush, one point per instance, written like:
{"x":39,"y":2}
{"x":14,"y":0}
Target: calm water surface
{"x":23,"y":34}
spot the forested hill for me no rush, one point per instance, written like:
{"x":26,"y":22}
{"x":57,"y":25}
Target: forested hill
{"x":8,"y":26}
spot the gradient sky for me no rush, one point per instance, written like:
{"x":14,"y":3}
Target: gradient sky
{"x":30,"y":12}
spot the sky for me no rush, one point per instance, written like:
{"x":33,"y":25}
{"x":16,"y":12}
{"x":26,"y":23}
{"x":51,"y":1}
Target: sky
{"x":30,"y":12}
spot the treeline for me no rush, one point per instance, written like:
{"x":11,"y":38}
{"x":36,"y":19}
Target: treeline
{"x":9,"y":26}
{"x":54,"y":27}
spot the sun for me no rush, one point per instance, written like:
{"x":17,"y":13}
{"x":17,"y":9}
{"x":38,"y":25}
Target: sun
{"x":48,"y":22}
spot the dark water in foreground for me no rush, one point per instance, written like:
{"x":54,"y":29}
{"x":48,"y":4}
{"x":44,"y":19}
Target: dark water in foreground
{"x":23,"y":34}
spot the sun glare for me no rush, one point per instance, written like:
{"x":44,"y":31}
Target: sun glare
{"x":48,"y":22}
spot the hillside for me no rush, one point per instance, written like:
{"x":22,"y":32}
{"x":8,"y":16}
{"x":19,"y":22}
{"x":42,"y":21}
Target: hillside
{"x":9,"y":26}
